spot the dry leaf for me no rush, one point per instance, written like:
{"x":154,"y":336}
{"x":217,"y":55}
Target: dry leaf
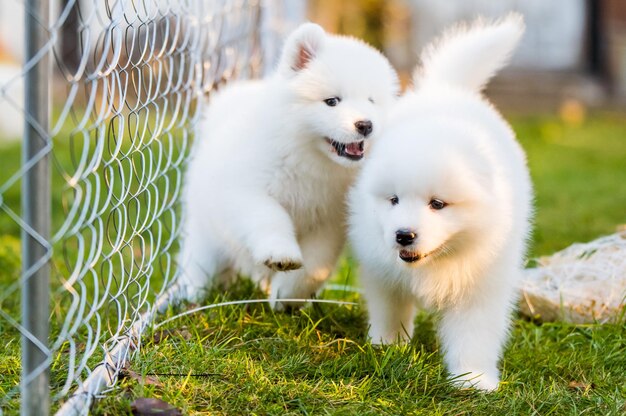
{"x":153,"y":407}
{"x":580,"y":385}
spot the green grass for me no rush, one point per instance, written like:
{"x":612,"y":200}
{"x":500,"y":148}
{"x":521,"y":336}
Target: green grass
{"x":250,"y":360}
{"x":579,"y":176}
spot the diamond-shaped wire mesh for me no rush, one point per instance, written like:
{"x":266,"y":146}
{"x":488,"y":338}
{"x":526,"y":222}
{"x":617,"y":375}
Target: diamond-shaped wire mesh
{"x":127,"y":80}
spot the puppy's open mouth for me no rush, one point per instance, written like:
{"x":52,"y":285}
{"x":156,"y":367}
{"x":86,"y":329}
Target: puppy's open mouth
{"x":413,"y":256}
{"x":410,"y":256}
{"x":352,"y":151}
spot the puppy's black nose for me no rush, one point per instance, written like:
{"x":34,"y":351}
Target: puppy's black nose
{"x":364,"y":127}
{"x":405,"y":237}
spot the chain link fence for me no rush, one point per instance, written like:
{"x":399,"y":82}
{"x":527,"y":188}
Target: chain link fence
{"x":111,"y":93}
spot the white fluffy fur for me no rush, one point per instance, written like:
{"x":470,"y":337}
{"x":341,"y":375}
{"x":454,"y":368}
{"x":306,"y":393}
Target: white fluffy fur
{"x":265,"y":192}
{"x":445,"y":141}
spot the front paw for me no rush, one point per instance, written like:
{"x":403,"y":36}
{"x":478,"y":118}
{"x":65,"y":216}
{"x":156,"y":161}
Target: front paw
{"x":481,"y":381}
{"x":283,"y":264}
{"x":282,"y":256}
{"x":388,"y":337}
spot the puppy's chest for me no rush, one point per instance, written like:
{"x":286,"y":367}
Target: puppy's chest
{"x":311,"y":194}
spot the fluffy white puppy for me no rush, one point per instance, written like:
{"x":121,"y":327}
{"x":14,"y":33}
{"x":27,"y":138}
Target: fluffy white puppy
{"x":440,"y":213}
{"x":265,"y":190}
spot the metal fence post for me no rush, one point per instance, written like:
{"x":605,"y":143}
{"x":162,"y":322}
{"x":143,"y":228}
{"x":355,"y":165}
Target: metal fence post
{"x":35,"y":390}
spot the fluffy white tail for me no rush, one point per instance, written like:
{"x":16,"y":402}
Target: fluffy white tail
{"x":468,"y":56}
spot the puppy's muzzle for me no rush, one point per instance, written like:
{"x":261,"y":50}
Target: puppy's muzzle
{"x":405,"y":237}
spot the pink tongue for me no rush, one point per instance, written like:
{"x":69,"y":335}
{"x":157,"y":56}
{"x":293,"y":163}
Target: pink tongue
{"x":354,"y":149}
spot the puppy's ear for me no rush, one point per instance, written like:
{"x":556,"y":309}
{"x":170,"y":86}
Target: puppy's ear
{"x":301,"y":47}
{"x":468,"y":56}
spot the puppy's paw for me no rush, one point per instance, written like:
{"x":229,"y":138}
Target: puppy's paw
{"x":290,"y":286}
{"x":379,"y":338}
{"x":291,"y":306}
{"x":279,"y":254}
{"x":283,"y":264}
{"x":186,"y":292}
{"x":286,"y":307}
{"x":480,"y":381}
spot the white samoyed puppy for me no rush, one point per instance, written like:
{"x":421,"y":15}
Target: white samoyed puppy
{"x":265,"y":189}
{"x":440,"y":213}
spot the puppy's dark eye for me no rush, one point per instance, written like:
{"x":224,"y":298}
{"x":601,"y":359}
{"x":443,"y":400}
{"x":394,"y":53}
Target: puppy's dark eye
{"x":394,"y":200}
{"x":437,"y":204}
{"x":371,"y":100}
{"x":332,"y":101}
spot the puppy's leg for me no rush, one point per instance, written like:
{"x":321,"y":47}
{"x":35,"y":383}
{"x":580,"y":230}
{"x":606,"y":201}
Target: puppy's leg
{"x":391,"y":309}
{"x":473,"y":332}
{"x":263,"y":226}
{"x":321,"y":249}
{"x":199,"y":261}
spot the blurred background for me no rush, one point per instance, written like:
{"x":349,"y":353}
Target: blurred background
{"x":573,"y":55}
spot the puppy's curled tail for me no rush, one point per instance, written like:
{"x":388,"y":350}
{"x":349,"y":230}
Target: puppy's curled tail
{"x":467,"y":56}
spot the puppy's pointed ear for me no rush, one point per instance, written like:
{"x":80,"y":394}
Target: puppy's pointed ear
{"x":301,"y":47}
